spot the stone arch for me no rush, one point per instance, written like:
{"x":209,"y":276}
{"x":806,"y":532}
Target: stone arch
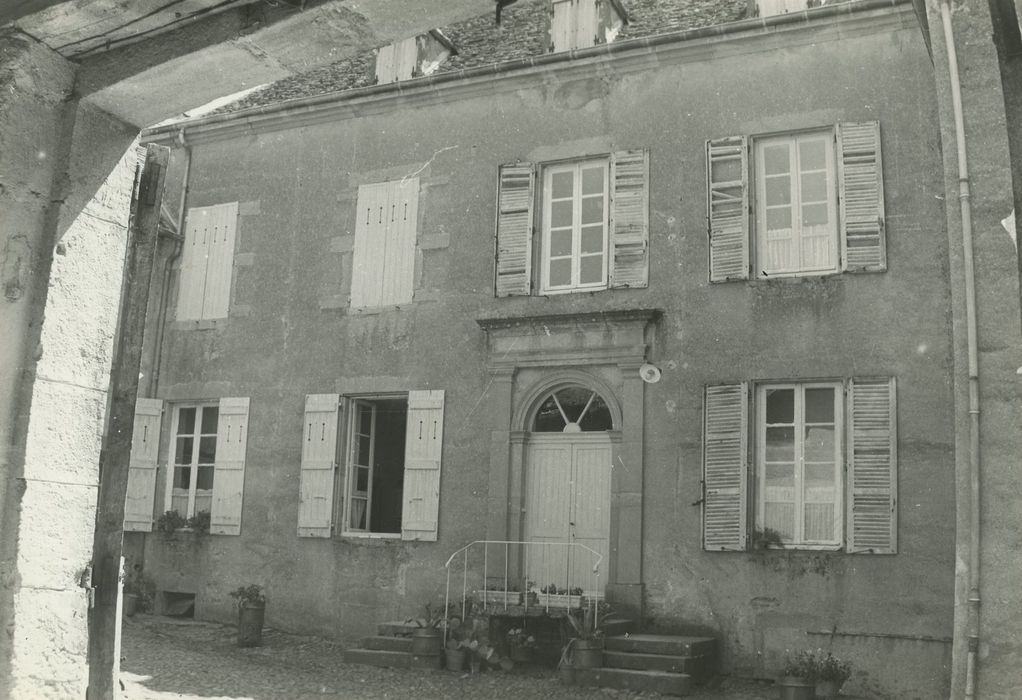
{"x":533,"y":397}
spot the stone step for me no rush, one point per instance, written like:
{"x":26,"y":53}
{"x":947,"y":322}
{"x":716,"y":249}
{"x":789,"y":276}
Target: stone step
{"x":615,"y":626}
{"x":630,"y":679}
{"x":388,"y":643}
{"x":665,"y":644}
{"x":698,"y":667}
{"x":398,"y":628}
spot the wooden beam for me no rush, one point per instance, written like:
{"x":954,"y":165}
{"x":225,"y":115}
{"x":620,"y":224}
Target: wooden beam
{"x":143,"y":225}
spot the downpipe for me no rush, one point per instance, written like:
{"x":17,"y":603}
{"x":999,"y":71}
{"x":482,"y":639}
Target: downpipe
{"x":964,"y":198}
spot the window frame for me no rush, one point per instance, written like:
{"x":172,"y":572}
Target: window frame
{"x":758,"y":462}
{"x":574,"y":165}
{"x":757,"y":194}
{"x":172,"y":464}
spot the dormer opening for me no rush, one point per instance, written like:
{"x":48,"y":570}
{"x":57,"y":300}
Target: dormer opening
{"x":579,"y":24}
{"x":412,"y":57}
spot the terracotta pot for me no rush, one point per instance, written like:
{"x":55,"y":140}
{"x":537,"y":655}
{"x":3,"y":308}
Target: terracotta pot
{"x":794,"y":688}
{"x":566,"y":672}
{"x":250,"y":625}
{"x":426,"y":641}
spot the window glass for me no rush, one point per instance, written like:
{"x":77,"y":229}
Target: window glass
{"x":575,"y":226}
{"x":572,"y":409}
{"x":376,"y":465}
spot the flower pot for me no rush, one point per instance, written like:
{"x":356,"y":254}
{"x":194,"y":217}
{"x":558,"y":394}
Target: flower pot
{"x":129,"y":606}
{"x":455,"y":659}
{"x":566,"y":673}
{"x":250,"y":624}
{"x":588,"y":653}
{"x":426,"y":641}
{"x":794,"y":688}
{"x":828,"y":689}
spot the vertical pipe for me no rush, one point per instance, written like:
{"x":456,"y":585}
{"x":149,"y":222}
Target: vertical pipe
{"x":964,"y":198}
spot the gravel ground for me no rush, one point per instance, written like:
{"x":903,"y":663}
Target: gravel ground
{"x":165,"y":659}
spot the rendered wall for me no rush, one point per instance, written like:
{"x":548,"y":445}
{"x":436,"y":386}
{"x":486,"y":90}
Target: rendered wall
{"x":290,"y":334}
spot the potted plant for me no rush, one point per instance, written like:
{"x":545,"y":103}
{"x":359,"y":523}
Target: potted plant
{"x":138,"y":591}
{"x":170,"y":522}
{"x":798,"y":677}
{"x":497,"y":594}
{"x":520,"y":645}
{"x":831,"y":674}
{"x":199,"y":523}
{"x":426,"y":637}
{"x":552,"y":596}
{"x":251,"y":611}
{"x":588,"y":637}
{"x":566,"y":666}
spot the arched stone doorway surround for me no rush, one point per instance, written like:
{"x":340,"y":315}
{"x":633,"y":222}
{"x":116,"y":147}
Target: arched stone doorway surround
{"x":528,"y":357}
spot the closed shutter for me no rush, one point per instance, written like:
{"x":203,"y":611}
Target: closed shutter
{"x":385,"y":72}
{"x":562,"y":25}
{"x":860,"y":173}
{"x":191,"y":285}
{"x":229,"y":469}
{"x":585,"y":24}
{"x":319,"y":454}
{"x":220,"y":260}
{"x":145,"y":449}
{"x":515,"y":195}
{"x":371,"y":225}
{"x":725,"y":475}
{"x":727,"y":208}
{"x":629,"y":219}
{"x":872,"y":494}
{"x":399,"y":259}
{"x":423,"y":447}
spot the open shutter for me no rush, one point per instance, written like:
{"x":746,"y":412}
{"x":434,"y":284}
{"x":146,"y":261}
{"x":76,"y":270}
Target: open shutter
{"x":229,"y":468}
{"x":629,"y":219}
{"x":191,"y":284}
{"x":860,"y":173}
{"x":725,"y":475}
{"x":145,"y":449}
{"x":399,"y":260}
{"x":423,"y":445}
{"x":872,"y":493}
{"x":371,"y":226}
{"x":319,"y":454}
{"x":515,"y":195}
{"x":727,"y":208}
{"x":223,"y":222}
{"x":562,"y":25}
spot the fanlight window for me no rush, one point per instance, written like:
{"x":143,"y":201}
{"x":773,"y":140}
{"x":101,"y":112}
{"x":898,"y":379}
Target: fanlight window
{"x":573,"y":409}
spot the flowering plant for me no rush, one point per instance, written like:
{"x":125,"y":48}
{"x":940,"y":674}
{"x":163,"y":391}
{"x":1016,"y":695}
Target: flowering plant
{"x":517,"y":637}
{"x":818,"y":665}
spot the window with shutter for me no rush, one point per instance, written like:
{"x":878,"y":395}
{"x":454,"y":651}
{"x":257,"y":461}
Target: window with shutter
{"x":319,"y":459}
{"x":872,"y":466}
{"x":229,"y":468}
{"x":193,"y":458}
{"x":725,"y":481}
{"x":383,"y":262}
{"x":629,"y":219}
{"x":423,"y":447}
{"x":145,"y":446}
{"x":207,"y":262}
{"x":818,"y":203}
{"x":515,"y":194}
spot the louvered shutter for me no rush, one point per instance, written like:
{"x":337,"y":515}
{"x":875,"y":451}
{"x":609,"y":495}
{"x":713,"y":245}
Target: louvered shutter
{"x":725,"y":475}
{"x":191,"y":284}
{"x":229,"y":468}
{"x":142,"y":465}
{"x":220,"y":260}
{"x":372,"y":223}
{"x":727,"y":208}
{"x":860,"y":173}
{"x":515,"y":195}
{"x":423,"y":447}
{"x":872,"y":493}
{"x":629,"y":219}
{"x":399,"y":259}
{"x":319,"y":454}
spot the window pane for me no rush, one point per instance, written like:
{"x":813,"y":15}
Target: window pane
{"x":819,"y":525}
{"x":548,"y":418}
{"x":815,"y":215}
{"x":780,"y":444}
{"x":780,"y":517}
{"x":592,"y":240}
{"x":820,"y":405}
{"x":597,"y":417}
{"x":204,"y":479}
{"x":203,"y":501}
{"x":780,"y":475}
{"x":592,"y":210}
{"x":560,"y":243}
{"x":592,"y":180}
{"x":207,"y":449}
{"x":560,"y":214}
{"x":210,"y":415}
{"x":819,"y":445}
{"x":362,"y":480}
{"x":820,"y":476}
{"x":778,"y":190}
{"x":778,"y":218}
{"x":573,"y":399}
{"x":362,"y":456}
{"x":182,"y":477}
{"x":812,"y":154}
{"x":184,"y":450}
{"x":814,"y":187}
{"x":560,"y":273}
{"x":775,"y":159}
{"x":591,"y":269}
{"x":365,"y":420}
{"x":562,"y":184}
{"x":186,"y":421}
{"x":358,"y":514}
{"x":780,"y":405}
{"x":179,"y":502}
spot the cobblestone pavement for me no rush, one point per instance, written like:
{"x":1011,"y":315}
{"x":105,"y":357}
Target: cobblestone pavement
{"x":167,"y":659}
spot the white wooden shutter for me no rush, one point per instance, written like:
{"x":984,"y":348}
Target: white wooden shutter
{"x":725,"y":473}
{"x":562,"y":25}
{"x":385,"y":72}
{"x":229,"y":468}
{"x":423,"y":447}
{"x":872,"y":493}
{"x":585,"y":24}
{"x":220,"y":260}
{"x":191,"y":285}
{"x":515,"y":196}
{"x":319,"y":455}
{"x":629,"y":219}
{"x":145,"y":450}
{"x":861,"y":194}
{"x":372,"y":220}
{"x":727,"y":208}
{"x":402,"y":208}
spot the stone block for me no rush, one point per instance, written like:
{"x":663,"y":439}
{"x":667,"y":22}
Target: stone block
{"x":56,"y":533}
{"x":50,"y":642}
{"x":64,"y":433}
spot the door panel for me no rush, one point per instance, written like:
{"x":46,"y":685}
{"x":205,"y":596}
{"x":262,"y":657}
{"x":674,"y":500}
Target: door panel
{"x":590,"y":510}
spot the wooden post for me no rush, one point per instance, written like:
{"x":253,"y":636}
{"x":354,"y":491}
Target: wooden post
{"x":139,"y":260}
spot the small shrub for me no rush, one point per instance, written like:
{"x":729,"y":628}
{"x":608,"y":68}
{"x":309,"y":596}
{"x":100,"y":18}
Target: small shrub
{"x":199,"y":523}
{"x":170,"y":522}
{"x":251,"y":595}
